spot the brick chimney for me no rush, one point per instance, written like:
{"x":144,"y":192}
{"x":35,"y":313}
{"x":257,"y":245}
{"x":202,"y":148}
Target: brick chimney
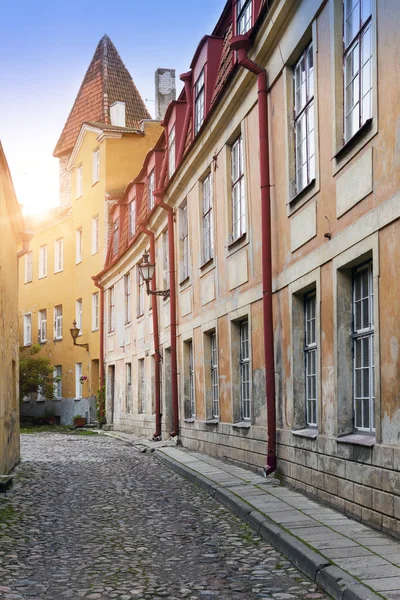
{"x":165,"y":91}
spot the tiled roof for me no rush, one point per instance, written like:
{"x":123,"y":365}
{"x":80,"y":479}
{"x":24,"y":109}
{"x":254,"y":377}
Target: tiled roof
{"x":225,"y":66}
{"x":107,"y":80}
{"x":106,"y":127}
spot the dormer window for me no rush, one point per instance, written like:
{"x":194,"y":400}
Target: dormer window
{"x":199,"y":103}
{"x":115,"y":236}
{"x":171,"y":152}
{"x":117,"y":114}
{"x":150,"y":190}
{"x":243,"y":16}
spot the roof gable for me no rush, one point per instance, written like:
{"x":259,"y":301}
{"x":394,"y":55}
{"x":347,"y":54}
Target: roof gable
{"x":106,"y":81}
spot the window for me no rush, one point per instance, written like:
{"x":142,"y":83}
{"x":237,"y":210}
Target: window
{"x":238,"y":192}
{"x":128,"y":298}
{"x":42,"y":261}
{"x":199,"y":102}
{"x":58,"y":322}
{"x":27,"y":329}
{"x":357,"y":58}
{"x":171,"y":151}
{"x":304,"y":119}
{"x":243,"y":16}
{"x":244,"y":367}
{"x":95,"y":311}
{"x":142,"y":387}
{"x":95,"y":234}
{"x":132,"y":218}
{"x":58,"y":382}
{"x":165,"y":243}
{"x":208,"y":227}
{"x":363,"y":348}
{"x":184,"y":243}
{"x":128,"y":390}
{"x":150,"y":190}
{"x":214,"y":376}
{"x":191,"y":382}
{"x":78,"y":315}
{"x":78,"y":249}
{"x":140,"y":294}
{"x":78,"y":380}
{"x":96,"y":166}
{"x":42,"y":326}
{"x":111,"y":310}
{"x":310,"y":352}
{"x":28,"y":267}
{"x":115,"y":236}
{"x":79,"y":181}
{"x":58,"y":255}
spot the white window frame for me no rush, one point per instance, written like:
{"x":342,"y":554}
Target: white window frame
{"x":239,"y":225}
{"x":311,"y":358}
{"x":150,"y":190}
{"x":58,"y":384}
{"x":199,"y":102}
{"x":171,"y":152}
{"x":356,"y":70}
{"x":214,"y":375}
{"x":128,"y":387}
{"x":78,"y":384}
{"x":29,"y":267}
{"x":96,"y":166}
{"x":59,"y":255}
{"x":304,"y":119}
{"x":243,"y":16}
{"x":207,"y":218}
{"x":111,"y":310}
{"x":132,"y":218}
{"x":245,"y":370}
{"x":192,"y":395}
{"x":78,"y":247}
{"x":78,"y":314}
{"x":95,"y":234}
{"x":95,"y":311}
{"x":128,"y":297}
{"x":79,"y":181}
{"x":185,"y":242}
{"x":363,"y":340}
{"x":165,"y":244}
{"x":28,"y":329}
{"x":142,"y":386}
{"x":58,"y":322}
{"x":42,"y":326}
{"x":43,"y":261}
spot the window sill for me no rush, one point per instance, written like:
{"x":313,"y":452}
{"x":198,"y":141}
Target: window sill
{"x":303,"y":192}
{"x":93,"y":330}
{"x":366,"y":127}
{"x":242,"y":425}
{"x":40,"y":399}
{"x":184,"y":281}
{"x":191,"y":420}
{"x":212,"y":421}
{"x":42,"y":276}
{"x":232,"y":243}
{"x":60,"y":271}
{"x":26,"y":282}
{"x":42,"y":342}
{"x":127,"y":324}
{"x":57,"y":339}
{"x":307,"y":433}
{"x":357,"y":439}
{"x":94,"y":182}
{"x":78,"y":262}
{"x":138,"y":317}
{"x":77,"y":399}
{"x":207,"y":263}
{"x":111,"y":332}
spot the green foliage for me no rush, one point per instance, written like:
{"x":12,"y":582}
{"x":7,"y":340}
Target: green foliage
{"x":101,"y":406}
{"x":36,"y":373}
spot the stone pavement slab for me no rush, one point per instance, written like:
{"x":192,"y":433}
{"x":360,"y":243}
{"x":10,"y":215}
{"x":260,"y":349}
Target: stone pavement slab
{"x":350,"y":560}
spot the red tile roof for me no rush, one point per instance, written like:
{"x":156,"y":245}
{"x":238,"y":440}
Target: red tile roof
{"x":107,"y":80}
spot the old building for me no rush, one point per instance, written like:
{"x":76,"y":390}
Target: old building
{"x":281,"y":152}
{"x":12,"y":231}
{"x":103,"y":144}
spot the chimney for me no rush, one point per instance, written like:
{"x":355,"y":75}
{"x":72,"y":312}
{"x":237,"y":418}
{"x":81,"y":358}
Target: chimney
{"x":165,"y":91}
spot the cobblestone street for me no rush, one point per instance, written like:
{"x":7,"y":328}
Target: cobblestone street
{"x":91,"y":517}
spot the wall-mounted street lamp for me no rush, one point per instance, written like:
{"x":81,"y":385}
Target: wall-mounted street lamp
{"x":74,"y":331}
{"x":147,"y":272}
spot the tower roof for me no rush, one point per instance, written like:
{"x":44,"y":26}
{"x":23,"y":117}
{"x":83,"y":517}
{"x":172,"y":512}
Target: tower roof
{"x":106,"y":81}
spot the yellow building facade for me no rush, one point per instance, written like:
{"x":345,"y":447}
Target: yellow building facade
{"x":68,"y":243}
{"x":12,"y":233}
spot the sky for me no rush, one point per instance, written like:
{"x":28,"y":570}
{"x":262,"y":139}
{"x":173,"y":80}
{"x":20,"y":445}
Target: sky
{"x":46,"y":47}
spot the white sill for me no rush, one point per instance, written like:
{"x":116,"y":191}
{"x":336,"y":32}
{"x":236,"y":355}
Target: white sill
{"x":242,"y":425}
{"x":57,"y":339}
{"x":76,"y":399}
{"x":95,"y":329}
{"x":40,"y":399}
{"x":308,"y":433}
{"x":59,"y":271}
{"x":358,"y":439}
{"x":42,"y":276}
{"x":190,"y":420}
{"x":78,"y":262}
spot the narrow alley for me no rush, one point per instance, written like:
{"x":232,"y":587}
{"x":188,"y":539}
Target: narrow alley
{"x":91,"y":517}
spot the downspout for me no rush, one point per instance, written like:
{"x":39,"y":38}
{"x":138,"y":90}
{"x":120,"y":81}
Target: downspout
{"x":187,"y":80}
{"x":25,"y":248}
{"x":172,"y":311}
{"x":241,"y":45}
{"x":157,"y":433}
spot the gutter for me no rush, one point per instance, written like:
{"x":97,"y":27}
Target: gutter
{"x":241,"y":45}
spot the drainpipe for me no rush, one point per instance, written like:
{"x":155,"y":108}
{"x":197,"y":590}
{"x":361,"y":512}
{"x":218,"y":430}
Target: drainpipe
{"x":241,"y":45}
{"x":101,"y":333}
{"x":187,"y":80}
{"x":25,"y":248}
{"x":172,"y":311}
{"x":157,"y":433}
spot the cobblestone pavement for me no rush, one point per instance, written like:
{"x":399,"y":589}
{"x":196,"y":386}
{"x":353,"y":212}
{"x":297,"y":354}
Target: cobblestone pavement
{"x":91,"y":517}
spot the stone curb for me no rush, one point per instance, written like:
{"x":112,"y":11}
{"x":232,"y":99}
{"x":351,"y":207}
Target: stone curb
{"x":332,"y":579}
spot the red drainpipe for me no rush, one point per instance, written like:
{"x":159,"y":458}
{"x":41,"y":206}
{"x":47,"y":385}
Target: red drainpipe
{"x":241,"y":44}
{"x":187,"y":79}
{"x":101,"y":334}
{"x":157,"y":433}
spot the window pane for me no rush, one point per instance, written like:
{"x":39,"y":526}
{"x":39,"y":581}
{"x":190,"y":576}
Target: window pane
{"x":366,"y":10}
{"x":351,"y":20}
